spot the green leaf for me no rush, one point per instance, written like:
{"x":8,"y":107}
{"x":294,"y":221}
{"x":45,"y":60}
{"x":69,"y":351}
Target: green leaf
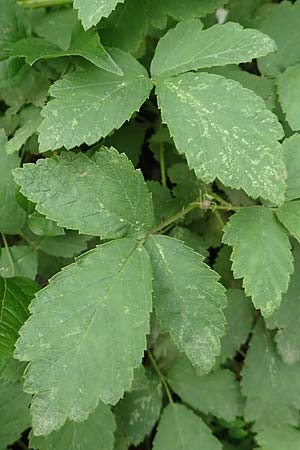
{"x":13,"y":371}
{"x":270,"y":400}
{"x":180,"y":10}
{"x":92,"y":304}
{"x":289,"y":97}
{"x":256,"y":236}
{"x":235,"y":142}
{"x":291,"y":149}
{"x":216,"y":393}
{"x":181,"y":429}
{"x":102,"y":197}
{"x":14,"y":412}
{"x":91,"y":11}
{"x":188,"y":299}
{"x":41,"y":226}
{"x":263,"y":87}
{"x":131,"y":15}
{"x":279,"y":438}
{"x":87,"y":94}
{"x":85,"y":44}
{"x":188,"y":47}
{"x":139,"y":410}
{"x":287,"y":318}
{"x":95,"y":432}
{"x":239,"y":320}
{"x":281,"y":24}
{"x":19,"y":260}
{"x":190,"y":239}
{"x":30,"y":118}
{"x":12,"y":216}
{"x":289,"y":216}
{"x":15,"y":296}
{"x":56,"y":26}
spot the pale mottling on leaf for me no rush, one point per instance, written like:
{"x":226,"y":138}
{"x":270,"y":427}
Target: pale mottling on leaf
{"x":228,"y":133}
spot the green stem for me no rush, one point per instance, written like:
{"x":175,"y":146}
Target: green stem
{"x":219,"y":219}
{"x":43,"y":3}
{"x":176,"y":217}
{"x":162,"y":164}
{"x":161,"y":376}
{"x":9,"y":255}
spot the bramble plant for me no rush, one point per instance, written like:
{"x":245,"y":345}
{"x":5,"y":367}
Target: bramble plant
{"x":150,"y":224}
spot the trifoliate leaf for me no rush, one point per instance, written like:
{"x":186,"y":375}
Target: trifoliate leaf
{"x":270,"y":400}
{"x":85,"y":44}
{"x":216,"y":393}
{"x":87,"y":94}
{"x":92,"y":304}
{"x":95,"y":432}
{"x":287,"y":318}
{"x":289,"y":97}
{"x":239,"y":320}
{"x":139,"y":410}
{"x":91,"y":11}
{"x":279,"y":438}
{"x":234,"y":141}
{"x":131,"y":15}
{"x":188,"y":47}
{"x":56,"y":26}
{"x":282,"y":24}
{"x":15,"y":296}
{"x":181,"y":429}
{"x":289,"y":216}
{"x":14,"y":412}
{"x":256,"y":235}
{"x":30,"y":120}
{"x":291,"y":150}
{"x":12,"y":216}
{"x":18,"y":261}
{"x":188,"y":299}
{"x":102,"y":197}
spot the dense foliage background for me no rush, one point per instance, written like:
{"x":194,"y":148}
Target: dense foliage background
{"x":159,"y":140}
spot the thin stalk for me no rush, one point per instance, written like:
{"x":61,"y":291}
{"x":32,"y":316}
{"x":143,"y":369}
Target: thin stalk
{"x":161,"y":376}
{"x":176,"y":217}
{"x":43,"y":3}
{"x":162,"y":165}
{"x":219,"y":218}
{"x":9,"y":255}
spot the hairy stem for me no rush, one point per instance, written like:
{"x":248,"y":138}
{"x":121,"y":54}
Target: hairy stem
{"x":161,"y":376}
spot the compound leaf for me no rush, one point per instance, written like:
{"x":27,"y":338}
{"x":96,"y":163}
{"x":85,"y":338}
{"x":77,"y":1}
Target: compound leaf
{"x":216,"y":393}
{"x":188,"y":47}
{"x":181,"y":429}
{"x":234,"y":141}
{"x":279,"y":438}
{"x":188,"y":299}
{"x":270,"y":400}
{"x":95,"y":432}
{"x":88,"y":93}
{"x":256,"y":235}
{"x":92,"y":304}
{"x":289,"y":216}
{"x":15,"y":296}
{"x":103,"y":197}
{"x":91,"y":11}
{"x":291,"y":149}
